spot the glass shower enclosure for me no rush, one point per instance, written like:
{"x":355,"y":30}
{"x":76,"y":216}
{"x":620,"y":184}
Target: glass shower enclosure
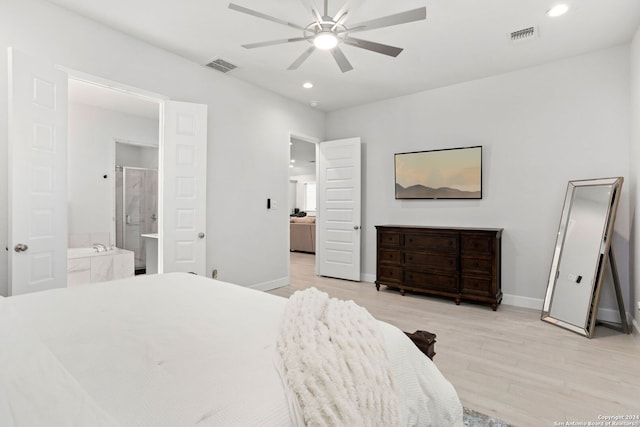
{"x":136,"y":210}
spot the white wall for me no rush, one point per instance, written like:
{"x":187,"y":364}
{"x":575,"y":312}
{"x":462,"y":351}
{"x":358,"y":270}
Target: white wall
{"x":137,"y":156}
{"x":91,"y":146}
{"x":248,"y":132}
{"x":635,"y":164}
{"x":539,"y":127}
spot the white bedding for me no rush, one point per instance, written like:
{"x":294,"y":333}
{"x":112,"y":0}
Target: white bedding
{"x":171,"y":350}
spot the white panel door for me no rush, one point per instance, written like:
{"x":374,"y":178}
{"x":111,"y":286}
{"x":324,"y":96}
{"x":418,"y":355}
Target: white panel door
{"x":183,"y":165}
{"x":339,"y":183}
{"x":37,"y":175}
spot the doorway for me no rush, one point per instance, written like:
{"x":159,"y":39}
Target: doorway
{"x":97,"y":164}
{"x":136,"y":212}
{"x":302,"y":204}
{"x":38,"y":201}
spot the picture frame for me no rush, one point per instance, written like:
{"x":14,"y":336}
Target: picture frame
{"x":450,"y":173}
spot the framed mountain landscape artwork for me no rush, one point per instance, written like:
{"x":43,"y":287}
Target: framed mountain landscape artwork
{"x":452,"y":173}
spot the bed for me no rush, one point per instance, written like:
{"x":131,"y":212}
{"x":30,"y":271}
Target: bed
{"x":183,"y":350}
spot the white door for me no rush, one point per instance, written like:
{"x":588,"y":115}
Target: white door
{"x":183,"y":165}
{"x":37,"y":175}
{"x":338,"y":215}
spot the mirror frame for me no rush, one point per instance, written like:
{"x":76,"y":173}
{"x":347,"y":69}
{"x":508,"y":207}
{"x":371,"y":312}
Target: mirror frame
{"x":605,"y":251}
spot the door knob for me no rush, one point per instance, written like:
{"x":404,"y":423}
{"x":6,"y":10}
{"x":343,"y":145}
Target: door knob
{"x":201,"y":235}
{"x":356,"y":227}
{"x":20,"y":247}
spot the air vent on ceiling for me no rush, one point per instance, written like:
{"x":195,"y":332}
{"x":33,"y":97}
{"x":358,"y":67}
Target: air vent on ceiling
{"x":221,"y":65}
{"x":524,"y":34}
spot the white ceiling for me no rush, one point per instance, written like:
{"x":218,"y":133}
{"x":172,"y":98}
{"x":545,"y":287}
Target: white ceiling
{"x":304,"y":155}
{"x":460,"y":40}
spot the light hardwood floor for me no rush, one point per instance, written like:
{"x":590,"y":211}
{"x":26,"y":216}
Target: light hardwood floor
{"x":508,"y":363}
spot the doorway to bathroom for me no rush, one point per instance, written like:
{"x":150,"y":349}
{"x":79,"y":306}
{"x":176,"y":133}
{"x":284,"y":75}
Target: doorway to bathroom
{"x":109,"y":131}
{"x":40,"y":231}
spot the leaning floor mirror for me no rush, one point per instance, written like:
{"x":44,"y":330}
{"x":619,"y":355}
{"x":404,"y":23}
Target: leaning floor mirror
{"x":583,"y":257}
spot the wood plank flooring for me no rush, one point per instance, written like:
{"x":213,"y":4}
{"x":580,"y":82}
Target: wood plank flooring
{"x":508,"y":363}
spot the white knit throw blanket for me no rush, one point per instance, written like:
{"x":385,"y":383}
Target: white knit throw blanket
{"x":335,"y":362}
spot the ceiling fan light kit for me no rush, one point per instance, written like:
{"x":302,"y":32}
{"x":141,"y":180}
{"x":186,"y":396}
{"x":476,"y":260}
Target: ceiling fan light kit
{"x":325,"y":40}
{"x":326,"y":32}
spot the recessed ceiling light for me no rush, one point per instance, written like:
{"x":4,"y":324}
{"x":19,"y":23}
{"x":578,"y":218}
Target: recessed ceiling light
{"x":557,"y":10}
{"x":314,"y":103}
{"x":307,"y":85}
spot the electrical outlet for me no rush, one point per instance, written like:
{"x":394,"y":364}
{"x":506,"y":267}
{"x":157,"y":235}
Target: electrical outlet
{"x":214,"y":273}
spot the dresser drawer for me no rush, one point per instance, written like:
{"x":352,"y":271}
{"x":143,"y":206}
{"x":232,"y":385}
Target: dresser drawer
{"x":431,"y":260}
{"x":387,"y":273}
{"x":477,"y":244}
{"x":390,"y":256}
{"x":476,"y":285}
{"x":432,"y":242}
{"x":431,"y":281}
{"x":388,"y":238}
{"x":477,"y":265}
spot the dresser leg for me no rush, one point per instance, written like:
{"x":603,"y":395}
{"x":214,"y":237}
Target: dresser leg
{"x":457,"y":301}
{"x":377,"y":287}
{"x":494,"y":306}
{"x":402,"y":291}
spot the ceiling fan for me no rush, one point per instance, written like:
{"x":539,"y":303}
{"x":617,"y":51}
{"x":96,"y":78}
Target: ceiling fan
{"x":326,"y":32}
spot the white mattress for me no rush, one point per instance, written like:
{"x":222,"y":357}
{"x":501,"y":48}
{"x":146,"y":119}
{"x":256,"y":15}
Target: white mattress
{"x":170,"y":350}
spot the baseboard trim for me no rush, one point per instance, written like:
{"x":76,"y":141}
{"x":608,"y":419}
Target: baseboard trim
{"x":606,"y":314}
{"x":610,"y":315}
{"x":369,"y":278}
{"x":270,"y":285}
{"x":635,"y":330}
{"x":520,"y":301}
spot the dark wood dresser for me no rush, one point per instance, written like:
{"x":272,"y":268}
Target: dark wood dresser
{"x":460,"y":263}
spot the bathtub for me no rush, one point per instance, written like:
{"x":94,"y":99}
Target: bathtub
{"x":87,"y":265}
{"x":82,"y":252}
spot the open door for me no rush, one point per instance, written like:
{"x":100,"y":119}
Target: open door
{"x":183,"y":165}
{"x":338,"y":215}
{"x":37,"y":175}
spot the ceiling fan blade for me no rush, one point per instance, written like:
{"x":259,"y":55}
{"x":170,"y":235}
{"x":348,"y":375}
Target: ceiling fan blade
{"x":298,"y":62}
{"x":348,"y":7}
{"x":342,"y":60}
{"x":251,"y":12}
{"x":339,"y":22}
{"x":274,"y":42}
{"x":388,"y":21}
{"x":373,"y":46}
{"x":311,"y":7}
